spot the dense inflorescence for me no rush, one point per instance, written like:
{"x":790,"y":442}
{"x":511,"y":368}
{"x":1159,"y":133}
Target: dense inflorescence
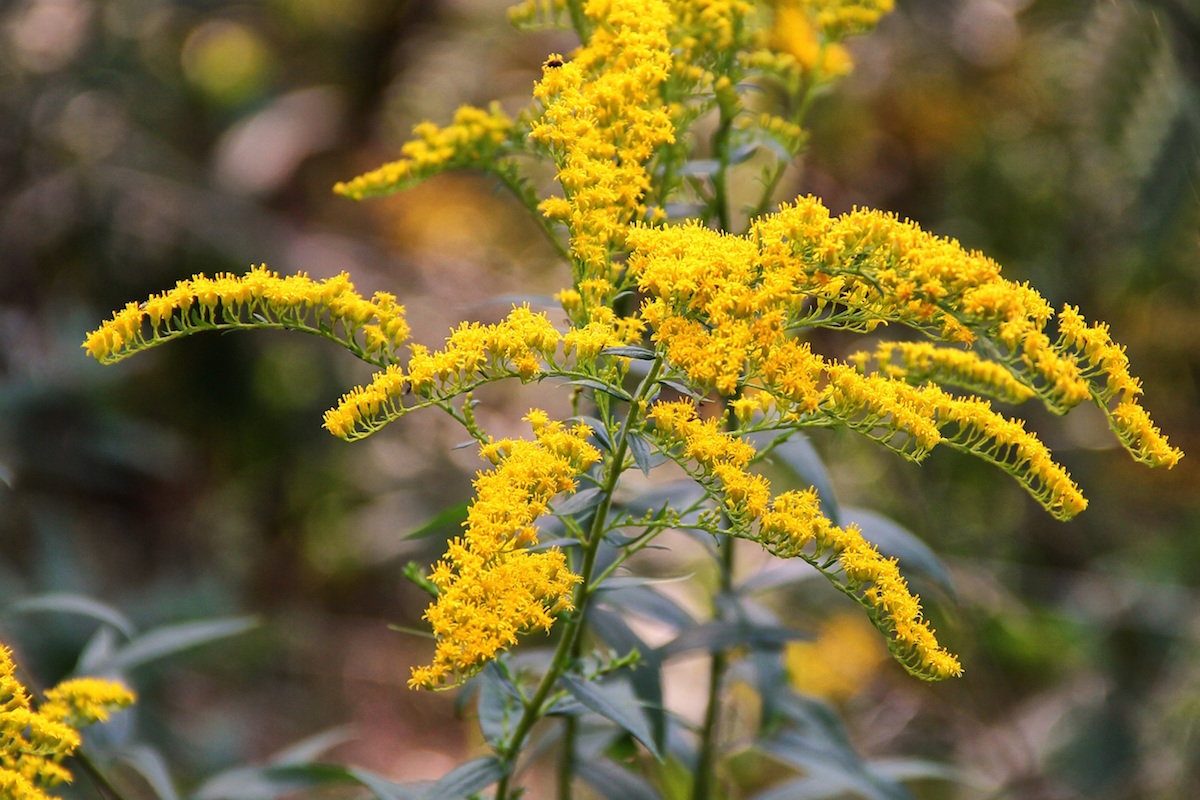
{"x":34,"y":742}
{"x":715,"y":313}
{"x":491,"y":584}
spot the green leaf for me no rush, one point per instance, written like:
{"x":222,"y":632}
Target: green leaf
{"x":894,"y":540}
{"x":700,"y":167}
{"x":450,"y":517}
{"x":64,"y":603}
{"x":810,"y":787}
{"x":255,"y":783}
{"x":907,"y":769}
{"x":466,"y":779}
{"x":272,"y":781}
{"x":742,"y":154}
{"x":629,"y":351}
{"x":601,"y":386}
{"x":646,"y":679}
{"x":776,"y":574}
{"x":771,"y":679}
{"x":816,"y":742}
{"x":168,"y":640}
{"x":150,"y":764}
{"x":499,"y":705}
{"x":645,"y":601}
{"x":676,"y":495}
{"x":643,"y":453}
{"x":682,"y":388}
{"x":718,"y":635}
{"x":310,"y":747}
{"x":610,"y":702}
{"x":579,"y":502}
{"x":384,"y":789}
{"x":614,"y":782}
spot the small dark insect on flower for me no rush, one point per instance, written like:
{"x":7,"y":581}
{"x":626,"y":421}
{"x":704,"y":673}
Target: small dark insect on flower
{"x":554,"y":62}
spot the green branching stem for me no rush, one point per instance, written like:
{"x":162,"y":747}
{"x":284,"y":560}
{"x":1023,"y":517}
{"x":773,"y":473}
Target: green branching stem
{"x":702,"y":787}
{"x":578,"y":20}
{"x":97,"y":776}
{"x":568,"y":642}
{"x":720,"y":143}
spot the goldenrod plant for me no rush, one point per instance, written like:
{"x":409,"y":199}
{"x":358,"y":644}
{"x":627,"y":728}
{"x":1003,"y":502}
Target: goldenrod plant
{"x":35,"y":740}
{"x":683,"y":339}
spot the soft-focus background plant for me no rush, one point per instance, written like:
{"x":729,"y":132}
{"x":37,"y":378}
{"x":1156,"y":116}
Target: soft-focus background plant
{"x":142,"y":141}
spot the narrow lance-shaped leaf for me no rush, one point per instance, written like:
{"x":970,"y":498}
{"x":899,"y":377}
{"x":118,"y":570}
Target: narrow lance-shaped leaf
{"x":64,"y":603}
{"x":614,"y":705}
{"x":155,"y":644}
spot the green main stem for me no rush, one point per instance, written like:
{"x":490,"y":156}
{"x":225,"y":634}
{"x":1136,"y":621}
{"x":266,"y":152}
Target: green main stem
{"x":702,"y":787}
{"x":564,"y":654}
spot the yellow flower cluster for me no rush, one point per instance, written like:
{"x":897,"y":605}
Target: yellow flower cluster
{"x":517,"y":345}
{"x":797,"y":35}
{"x":722,"y":458}
{"x":792,"y":526}
{"x":491,"y":585}
{"x":722,"y":309}
{"x":1102,"y":359}
{"x":810,"y":32}
{"x":34,"y":743}
{"x":373,"y":328}
{"x":926,"y":416}
{"x":602,"y":120}
{"x":923,"y":362}
{"x":705,"y":32}
{"x":473,"y":139}
{"x":840,"y":18}
{"x":795,"y":527}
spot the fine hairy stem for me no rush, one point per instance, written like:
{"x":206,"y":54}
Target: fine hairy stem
{"x":567,"y":644}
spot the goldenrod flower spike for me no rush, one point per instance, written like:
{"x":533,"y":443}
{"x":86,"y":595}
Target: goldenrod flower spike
{"x":372,"y":329}
{"x":924,"y":362}
{"x":792,"y":526}
{"x":33,"y":743}
{"x":602,"y":120}
{"x":723,"y":309}
{"x":517,"y":346}
{"x":476,"y":138}
{"x":491,"y":585}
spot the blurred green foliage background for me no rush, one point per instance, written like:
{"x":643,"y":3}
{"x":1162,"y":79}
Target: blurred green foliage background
{"x":142,"y":141}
